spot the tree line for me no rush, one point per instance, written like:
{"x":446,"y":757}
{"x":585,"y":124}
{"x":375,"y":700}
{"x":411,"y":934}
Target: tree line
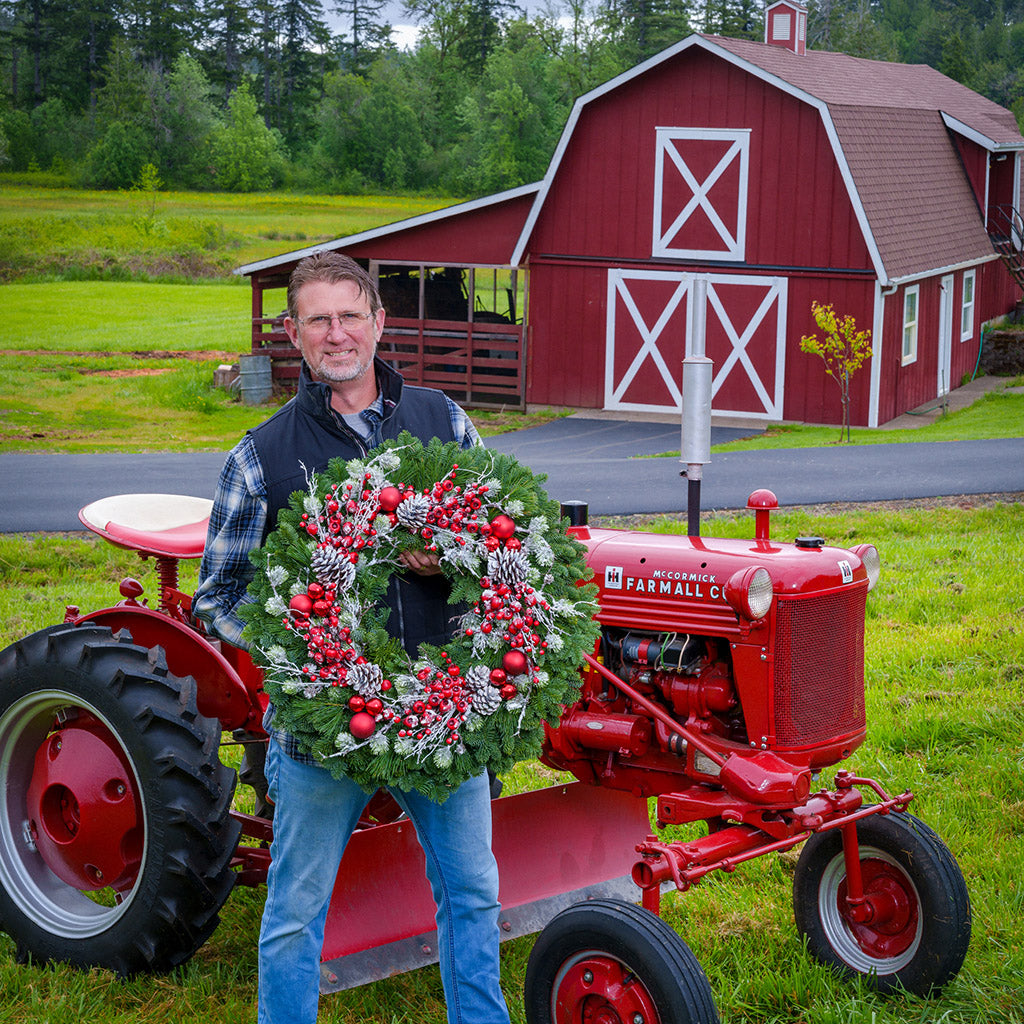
{"x":246,"y":95}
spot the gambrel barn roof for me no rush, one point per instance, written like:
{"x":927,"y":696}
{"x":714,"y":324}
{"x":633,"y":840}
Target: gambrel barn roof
{"x":889,"y":124}
{"x":893,"y":122}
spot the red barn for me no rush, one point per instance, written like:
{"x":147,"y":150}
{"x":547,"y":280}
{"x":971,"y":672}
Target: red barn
{"x":779,"y":176}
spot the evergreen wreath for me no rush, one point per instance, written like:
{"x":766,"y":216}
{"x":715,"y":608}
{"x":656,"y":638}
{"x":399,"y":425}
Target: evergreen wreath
{"x":347,"y":690}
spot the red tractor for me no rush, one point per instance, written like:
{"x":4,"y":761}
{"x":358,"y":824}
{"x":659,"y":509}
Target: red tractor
{"x":729,"y":676}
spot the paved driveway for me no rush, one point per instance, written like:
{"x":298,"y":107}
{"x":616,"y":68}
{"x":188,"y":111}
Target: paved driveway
{"x":592,"y":460}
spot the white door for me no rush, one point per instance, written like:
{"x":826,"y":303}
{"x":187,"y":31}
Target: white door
{"x":647,"y":338}
{"x":945,"y":334}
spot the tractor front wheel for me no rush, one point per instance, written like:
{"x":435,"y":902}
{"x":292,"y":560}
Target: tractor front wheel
{"x":913,"y":927}
{"x":115,"y":832}
{"x":609,"y":962}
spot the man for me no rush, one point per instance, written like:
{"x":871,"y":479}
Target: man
{"x":348,"y":401}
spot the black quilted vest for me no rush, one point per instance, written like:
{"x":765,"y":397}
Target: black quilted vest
{"x":305,"y":434}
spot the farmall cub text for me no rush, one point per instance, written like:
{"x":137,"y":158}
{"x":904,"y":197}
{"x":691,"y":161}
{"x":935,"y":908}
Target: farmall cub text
{"x":727,"y":680}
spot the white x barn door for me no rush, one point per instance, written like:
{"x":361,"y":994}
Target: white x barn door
{"x":646,"y":341}
{"x":700,"y":193}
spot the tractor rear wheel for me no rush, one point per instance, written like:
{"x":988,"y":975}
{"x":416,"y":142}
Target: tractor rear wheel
{"x":611,"y":962}
{"x":115,"y":832}
{"x":915,"y":926}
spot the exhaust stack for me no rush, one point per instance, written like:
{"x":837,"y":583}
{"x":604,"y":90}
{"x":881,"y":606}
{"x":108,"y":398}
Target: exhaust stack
{"x":695,"y":448}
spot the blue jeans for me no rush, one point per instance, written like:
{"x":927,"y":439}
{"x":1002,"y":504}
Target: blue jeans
{"x":314,"y":816}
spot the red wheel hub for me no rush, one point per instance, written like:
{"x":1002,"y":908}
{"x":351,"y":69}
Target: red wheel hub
{"x":601,"y":990}
{"x":83,"y":810}
{"x":887,"y":922}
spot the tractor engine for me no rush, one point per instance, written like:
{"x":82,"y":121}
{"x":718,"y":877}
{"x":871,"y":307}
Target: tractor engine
{"x":715,"y":650}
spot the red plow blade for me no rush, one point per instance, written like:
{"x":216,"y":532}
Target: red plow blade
{"x":554,"y":847}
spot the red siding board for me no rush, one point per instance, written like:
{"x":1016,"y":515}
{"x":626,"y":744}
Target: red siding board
{"x":483,"y":236}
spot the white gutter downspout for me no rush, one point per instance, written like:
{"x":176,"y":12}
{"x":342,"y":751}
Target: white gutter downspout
{"x":876,"y":348}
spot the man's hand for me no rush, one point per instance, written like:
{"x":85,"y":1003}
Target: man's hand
{"x":424,"y":563}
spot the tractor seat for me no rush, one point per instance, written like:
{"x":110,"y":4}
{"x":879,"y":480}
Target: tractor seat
{"x":161,"y":525}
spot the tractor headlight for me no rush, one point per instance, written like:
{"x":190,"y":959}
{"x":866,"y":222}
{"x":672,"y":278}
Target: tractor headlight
{"x":868,"y":554}
{"x":749,"y":592}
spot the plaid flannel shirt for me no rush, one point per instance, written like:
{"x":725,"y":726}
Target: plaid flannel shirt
{"x":237,"y":521}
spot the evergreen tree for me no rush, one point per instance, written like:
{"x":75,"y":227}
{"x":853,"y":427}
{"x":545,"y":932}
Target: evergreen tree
{"x":368,"y":33}
{"x":642,"y":28}
{"x":304,"y":39}
{"x":160,"y":29}
{"x":229,"y":26}
{"x":188,"y":120}
{"x":124,"y":95}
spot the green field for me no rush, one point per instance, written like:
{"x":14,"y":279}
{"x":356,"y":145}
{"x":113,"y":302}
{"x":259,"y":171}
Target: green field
{"x":46,"y":232}
{"x":945,"y":698}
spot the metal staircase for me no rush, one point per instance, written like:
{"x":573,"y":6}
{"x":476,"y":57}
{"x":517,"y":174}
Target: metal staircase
{"x":1006,"y":230}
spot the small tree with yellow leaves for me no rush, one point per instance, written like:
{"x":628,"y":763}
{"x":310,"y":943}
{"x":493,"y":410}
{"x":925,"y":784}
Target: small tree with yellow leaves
{"x":843,"y":349}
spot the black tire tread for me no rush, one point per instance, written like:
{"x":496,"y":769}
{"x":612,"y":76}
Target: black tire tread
{"x":893,"y":832}
{"x":626,"y":931}
{"x":187,"y":873}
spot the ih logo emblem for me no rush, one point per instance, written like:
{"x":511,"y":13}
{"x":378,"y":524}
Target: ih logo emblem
{"x":613,"y":577}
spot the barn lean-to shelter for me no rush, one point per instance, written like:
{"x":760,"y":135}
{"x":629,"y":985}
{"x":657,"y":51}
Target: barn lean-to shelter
{"x":775,"y":174}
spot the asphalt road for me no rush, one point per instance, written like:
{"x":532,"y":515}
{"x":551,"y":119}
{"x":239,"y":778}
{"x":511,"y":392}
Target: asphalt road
{"x":591,"y":460}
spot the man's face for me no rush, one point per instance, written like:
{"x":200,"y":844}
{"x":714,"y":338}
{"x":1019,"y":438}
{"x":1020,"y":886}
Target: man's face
{"x":335,"y":351}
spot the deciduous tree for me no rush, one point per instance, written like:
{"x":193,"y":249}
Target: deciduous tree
{"x":843,"y":349}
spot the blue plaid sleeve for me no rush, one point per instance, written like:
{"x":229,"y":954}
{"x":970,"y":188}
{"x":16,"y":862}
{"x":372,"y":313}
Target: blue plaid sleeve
{"x":462,"y":426}
{"x":236,"y":528}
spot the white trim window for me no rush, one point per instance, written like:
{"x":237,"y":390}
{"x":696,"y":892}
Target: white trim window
{"x":911,"y":301}
{"x":701,"y":212}
{"x":967,"y":306}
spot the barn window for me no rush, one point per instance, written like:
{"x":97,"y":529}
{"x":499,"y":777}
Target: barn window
{"x":700,"y":193}
{"x":910,"y":303}
{"x":967,"y":307}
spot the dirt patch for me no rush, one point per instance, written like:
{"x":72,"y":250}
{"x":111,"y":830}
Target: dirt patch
{"x":127,"y":373}
{"x":203,"y":356}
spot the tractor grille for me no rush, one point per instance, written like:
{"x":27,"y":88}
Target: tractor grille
{"x":819,"y":667}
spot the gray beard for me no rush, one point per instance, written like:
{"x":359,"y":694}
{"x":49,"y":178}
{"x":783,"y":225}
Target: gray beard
{"x":337,"y":376}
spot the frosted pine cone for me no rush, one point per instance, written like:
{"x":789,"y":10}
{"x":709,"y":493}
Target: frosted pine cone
{"x":412,"y":513}
{"x":332,"y":568}
{"x":510,"y":567}
{"x":485,"y":696}
{"x":365,"y":679}
{"x":486,"y":700}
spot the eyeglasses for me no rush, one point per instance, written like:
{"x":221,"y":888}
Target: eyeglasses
{"x":320,"y":323}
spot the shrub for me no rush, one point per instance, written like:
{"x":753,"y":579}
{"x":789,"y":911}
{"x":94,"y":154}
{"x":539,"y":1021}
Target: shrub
{"x":116,"y":161}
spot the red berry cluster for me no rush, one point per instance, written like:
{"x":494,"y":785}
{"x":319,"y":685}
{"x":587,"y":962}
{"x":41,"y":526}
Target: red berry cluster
{"x":511,"y":610}
{"x":346,"y":535}
{"x":441,"y":705}
{"x":452,"y":507}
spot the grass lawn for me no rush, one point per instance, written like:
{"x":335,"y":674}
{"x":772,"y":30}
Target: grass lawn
{"x":47,"y":231}
{"x":945,"y":699}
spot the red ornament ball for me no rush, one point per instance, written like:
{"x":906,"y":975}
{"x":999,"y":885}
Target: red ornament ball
{"x":508,"y":691}
{"x":503,"y":527}
{"x":390,"y":499}
{"x":514,"y":663}
{"x":301,"y":605}
{"x":498,"y":676}
{"x":362,"y":725}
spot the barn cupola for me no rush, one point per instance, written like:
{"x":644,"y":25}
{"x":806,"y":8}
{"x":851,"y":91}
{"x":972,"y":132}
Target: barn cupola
{"x":785,"y":24}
